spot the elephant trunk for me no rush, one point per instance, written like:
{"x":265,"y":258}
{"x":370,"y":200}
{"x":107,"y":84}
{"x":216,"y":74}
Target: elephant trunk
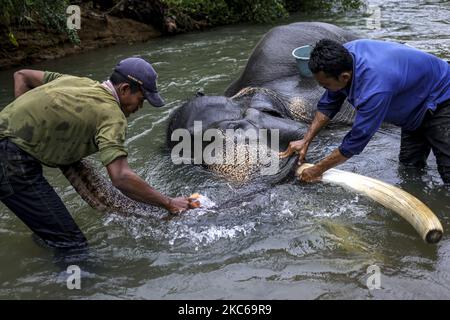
{"x":99,"y":192}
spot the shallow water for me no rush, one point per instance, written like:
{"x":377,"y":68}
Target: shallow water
{"x":293,"y":241}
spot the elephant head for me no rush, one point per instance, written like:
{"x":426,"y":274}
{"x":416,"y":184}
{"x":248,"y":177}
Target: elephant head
{"x":270,"y":100}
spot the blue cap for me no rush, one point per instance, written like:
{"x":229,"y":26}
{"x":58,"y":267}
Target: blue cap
{"x":142,"y":72}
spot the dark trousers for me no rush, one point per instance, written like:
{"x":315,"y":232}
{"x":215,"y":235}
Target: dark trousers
{"x":433,"y":134}
{"x":25,"y":191}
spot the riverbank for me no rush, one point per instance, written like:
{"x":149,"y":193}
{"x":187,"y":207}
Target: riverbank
{"x":27,"y":37}
{"x":37,"y":42}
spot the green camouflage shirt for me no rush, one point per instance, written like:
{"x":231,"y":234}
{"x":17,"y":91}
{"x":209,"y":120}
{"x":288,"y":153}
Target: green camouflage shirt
{"x":64,"y":120}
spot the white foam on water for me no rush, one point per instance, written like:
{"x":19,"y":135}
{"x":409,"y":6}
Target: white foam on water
{"x":185,"y":228}
{"x":206,"y":235}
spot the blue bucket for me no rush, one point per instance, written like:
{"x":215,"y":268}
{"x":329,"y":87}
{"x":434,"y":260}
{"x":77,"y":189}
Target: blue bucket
{"x":301,"y":55}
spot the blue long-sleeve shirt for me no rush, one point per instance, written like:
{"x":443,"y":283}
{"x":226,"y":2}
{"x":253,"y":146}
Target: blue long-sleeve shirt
{"x":391,"y":82}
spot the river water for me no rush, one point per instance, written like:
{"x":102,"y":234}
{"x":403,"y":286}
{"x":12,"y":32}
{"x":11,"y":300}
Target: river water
{"x":294,"y":241}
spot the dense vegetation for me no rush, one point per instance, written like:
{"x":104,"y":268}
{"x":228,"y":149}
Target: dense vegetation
{"x":52,"y":14}
{"x":23,"y":12}
{"x":220,"y":12}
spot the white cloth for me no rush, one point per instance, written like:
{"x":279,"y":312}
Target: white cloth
{"x":110,"y":87}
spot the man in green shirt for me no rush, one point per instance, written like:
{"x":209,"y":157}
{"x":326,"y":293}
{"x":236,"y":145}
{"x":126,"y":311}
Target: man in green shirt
{"x":57,"y":120}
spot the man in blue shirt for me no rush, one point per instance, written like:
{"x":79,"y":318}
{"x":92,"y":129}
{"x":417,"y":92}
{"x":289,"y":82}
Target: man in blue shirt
{"x":385,"y":82}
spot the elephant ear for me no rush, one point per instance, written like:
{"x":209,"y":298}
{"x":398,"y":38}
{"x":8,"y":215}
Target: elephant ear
{"x":173,"y":124}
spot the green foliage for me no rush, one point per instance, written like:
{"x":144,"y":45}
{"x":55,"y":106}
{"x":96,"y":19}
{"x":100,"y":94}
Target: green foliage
{"x":12,"y":39}
{"x":22,"y":12}
{"x":260,"y":11}
{"x":219,"y":12}
{"x":330,"y":6}
{"x":199,"y":9}
{"x":216,"y":12}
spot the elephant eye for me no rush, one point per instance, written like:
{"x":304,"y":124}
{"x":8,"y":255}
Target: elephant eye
{"x":273,"y":113}
{"x":233,"y":125}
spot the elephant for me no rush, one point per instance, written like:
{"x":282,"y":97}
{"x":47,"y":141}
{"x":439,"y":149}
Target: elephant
{"x":269,"y":94}
{"x":272,"y":102}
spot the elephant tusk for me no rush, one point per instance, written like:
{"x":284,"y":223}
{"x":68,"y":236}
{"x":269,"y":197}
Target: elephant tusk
{"x":406,"y":205}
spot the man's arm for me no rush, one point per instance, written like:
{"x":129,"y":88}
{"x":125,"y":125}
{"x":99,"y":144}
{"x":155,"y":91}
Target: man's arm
{"x":301,"y":146}
{"x":315,"y":172}
{"x":328,"y":106}
{"x":130,"y":184}
{"x":368,"y":119}
{"x":25,"y":80}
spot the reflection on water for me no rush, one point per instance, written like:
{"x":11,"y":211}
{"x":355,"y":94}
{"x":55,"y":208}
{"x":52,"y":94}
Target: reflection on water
{"x":289,"y":241}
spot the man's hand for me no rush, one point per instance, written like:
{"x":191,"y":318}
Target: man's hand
{"x":311,"y":174}
{"x":301,"y":146}
{"x":180,"y":204}
{"x":314,"y":173}
{"x":298,"y":146}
